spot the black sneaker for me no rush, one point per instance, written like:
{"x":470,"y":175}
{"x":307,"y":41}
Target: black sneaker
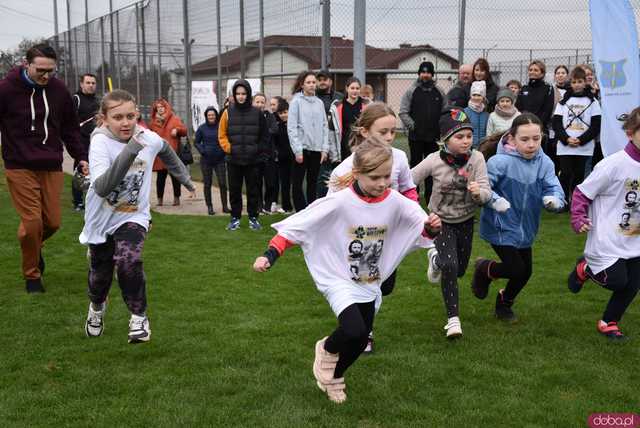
{"x":578,"y":276}
{"x":34,"y":286}
{"x":210,"y":210}
{"x":41,"y":264}
{"x":481,"y":281}
{"x":503,"y":309}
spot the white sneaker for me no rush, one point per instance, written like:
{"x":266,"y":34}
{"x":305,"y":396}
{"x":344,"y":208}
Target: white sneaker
{"x":139,"y":330}
{"x":369,"y":348}
{"x":453,"y":327}
{"x":433,"y":272}
{"x":275,"y":209}
{"x":94,"y":326}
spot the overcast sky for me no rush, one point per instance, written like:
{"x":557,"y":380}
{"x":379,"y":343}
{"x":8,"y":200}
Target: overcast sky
{"x":498,"y":25}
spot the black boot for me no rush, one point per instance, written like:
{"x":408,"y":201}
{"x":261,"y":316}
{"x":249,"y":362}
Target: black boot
{"x":210,"y":210}
{"x":223,"y":198}
{"x":34,"y":286}
{"x":481,"y":281}
{"x":503,"y":308}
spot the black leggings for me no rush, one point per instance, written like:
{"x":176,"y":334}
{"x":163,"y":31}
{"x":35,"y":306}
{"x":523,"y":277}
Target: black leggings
{"x":571,"y":172}
{"x":454,"y":250}
{"x":623,"y":278}
{"x":389,"y":284}
{"x":351,"y":336}
{"x":160,"y":181}
{"x":516,"y":266}
{"x":310,"y":167}
{"x":284,"y":174}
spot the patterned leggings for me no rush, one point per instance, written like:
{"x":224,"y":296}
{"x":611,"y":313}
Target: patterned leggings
{"x":454,"y":249}
{"x":122,"y":251}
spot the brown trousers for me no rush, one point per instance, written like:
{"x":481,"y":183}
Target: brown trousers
{"x":36,"y":198}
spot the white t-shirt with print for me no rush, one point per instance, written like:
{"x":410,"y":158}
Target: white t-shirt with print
{"x":576,"y":123}
{"x":351,"y":246}
{"x":614,"y":188}
{"x":400,"y":175}
{"x":129,"y":201}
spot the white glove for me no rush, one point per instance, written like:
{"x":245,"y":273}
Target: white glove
{"x":552,"y":203}
{"x":500,"y":205}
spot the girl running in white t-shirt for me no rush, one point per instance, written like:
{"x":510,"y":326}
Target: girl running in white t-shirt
{"x":352,"y":241}
{"x":378,"y":120}
{"x":606,"y":207}
{"x":117,"y":215}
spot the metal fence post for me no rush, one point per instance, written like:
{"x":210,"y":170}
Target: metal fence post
{"x":261,"y":41}
{"x":359,"y":45}
{"x":118,"y":72}
{"x":325,"y":49}
{"x":242,"y":50}
{"x":219,"y":58}
{"x":461,"y":24}
{"x":143,"y":36}
{"x":159,"y":50}
{"x":138,"y":53}
{"x":111,"y":47}
{"x":70,"y":56}
{"x":102,"y":67}
{"x":187,"y":63}
{"x":87,"y":44}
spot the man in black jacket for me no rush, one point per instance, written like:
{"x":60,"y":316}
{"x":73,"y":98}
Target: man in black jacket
{"x":243,"y":135}
{"x":87,"y":105}
{"x":328,"y":95}
{"x":457,"y":96}
{"x":420,"y":110}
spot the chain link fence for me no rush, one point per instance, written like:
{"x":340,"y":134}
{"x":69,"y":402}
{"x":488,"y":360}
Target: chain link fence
{"x":156,"y":48}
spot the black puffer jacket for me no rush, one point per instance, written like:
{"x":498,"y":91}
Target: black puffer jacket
{"x":538,"y":97}
{"x":246,"y":129}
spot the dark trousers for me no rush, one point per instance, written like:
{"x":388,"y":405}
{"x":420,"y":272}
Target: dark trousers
{"x":309,"y":169}
{"x":418,"y":150}
{"x":623,"y":278}
{"x":268,"y":183}
{"x":351,"y":336}
{"x":247,"y":174}
{"x":389,"y":284}
{"x":284,"y":173}
{"x":550,"y":149}
{"x":161,"y":178}
{"x":571,"y":172}
{"x":454,"y":250}
{"x":122,"y":251}
{"x":77,"y":195}
{"x":516,"y":266}
{"x":323,"y":178}
{"x":220,"y":169}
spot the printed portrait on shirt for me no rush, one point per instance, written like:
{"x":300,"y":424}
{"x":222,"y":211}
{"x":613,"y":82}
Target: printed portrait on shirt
{"x":630,"y":218}
{"x":125,"y":197}
{"x":365,"y":250}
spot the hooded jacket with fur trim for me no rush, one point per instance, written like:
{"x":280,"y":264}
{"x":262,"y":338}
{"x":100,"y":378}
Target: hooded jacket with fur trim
{"x":164,"y":127}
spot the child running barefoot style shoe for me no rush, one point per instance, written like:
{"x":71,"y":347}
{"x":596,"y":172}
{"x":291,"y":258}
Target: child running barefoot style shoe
{"x":117,"y":215}
{"x":606,"y":207}
{"x":378,"y":120}
{"x":460,"y":185}
{"x":352,"y":241}
{"x":523,"y":181}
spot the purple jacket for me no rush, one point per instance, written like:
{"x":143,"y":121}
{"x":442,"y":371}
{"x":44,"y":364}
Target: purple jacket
{"x":35,"y":121}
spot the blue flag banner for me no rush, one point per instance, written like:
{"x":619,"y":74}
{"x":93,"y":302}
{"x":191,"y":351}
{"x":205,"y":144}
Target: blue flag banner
{"x":615,"y":56}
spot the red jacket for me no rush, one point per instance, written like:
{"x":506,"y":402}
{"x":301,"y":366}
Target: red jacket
{"x":35,"y":121}
{"x":163,"y":129}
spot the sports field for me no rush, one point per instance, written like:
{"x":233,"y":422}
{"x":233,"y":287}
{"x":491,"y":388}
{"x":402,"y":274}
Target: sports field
{"x":234,"y":348}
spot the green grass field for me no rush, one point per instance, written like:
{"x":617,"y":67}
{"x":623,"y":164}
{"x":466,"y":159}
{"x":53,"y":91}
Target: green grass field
{"x":234,"y":348}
